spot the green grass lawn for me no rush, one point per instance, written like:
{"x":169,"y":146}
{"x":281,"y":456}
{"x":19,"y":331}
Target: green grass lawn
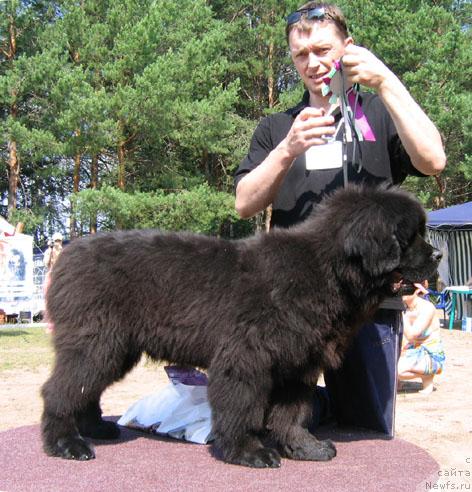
{"x":24,"y":348}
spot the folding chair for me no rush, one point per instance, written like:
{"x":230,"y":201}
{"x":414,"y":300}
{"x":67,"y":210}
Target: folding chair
{"x":438,"y":299}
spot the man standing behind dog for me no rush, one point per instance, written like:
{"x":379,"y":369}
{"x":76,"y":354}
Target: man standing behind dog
{"x":400,"y":140}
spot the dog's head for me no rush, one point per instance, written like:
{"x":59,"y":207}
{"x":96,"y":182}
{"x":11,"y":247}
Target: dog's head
{"x":383,"y":232}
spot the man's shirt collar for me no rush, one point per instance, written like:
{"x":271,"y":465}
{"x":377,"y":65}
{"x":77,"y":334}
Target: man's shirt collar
{"x":304,"y":103}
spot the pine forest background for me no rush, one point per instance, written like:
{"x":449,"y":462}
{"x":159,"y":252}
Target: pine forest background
{"x":135,"y":113}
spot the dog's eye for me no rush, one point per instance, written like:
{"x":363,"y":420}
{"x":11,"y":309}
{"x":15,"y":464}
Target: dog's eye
{"x":407,"y":242}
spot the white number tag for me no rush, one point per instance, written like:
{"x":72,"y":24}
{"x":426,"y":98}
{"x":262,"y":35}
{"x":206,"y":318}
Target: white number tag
{"x":326,"y":156}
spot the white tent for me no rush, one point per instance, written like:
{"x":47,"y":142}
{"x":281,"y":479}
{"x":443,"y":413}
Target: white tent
{"x":6,"y":228}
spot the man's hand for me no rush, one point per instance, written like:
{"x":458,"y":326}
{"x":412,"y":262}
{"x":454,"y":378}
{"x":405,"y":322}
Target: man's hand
{"x":259,"y":187}
{"x":363,"y":67}
{"x":418,"y":134}
{"x":308,"y":129}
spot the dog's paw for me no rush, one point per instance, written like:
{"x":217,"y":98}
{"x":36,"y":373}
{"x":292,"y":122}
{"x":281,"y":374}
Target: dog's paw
{"x":311,"y":450}
{"x":102,"y":430}
{"x":259,"y":458}
{"x":328,"y":444}
{"x":74,"y":448}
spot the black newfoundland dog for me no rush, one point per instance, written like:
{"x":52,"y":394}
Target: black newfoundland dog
{"x":264,"y":315}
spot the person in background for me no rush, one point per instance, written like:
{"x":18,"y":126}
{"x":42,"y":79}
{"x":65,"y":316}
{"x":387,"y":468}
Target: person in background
{"x":50,"y":257}
{"x":53,"y":251}
{"x":422,"y":354}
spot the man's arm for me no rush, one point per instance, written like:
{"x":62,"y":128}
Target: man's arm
{"x":417,"y":132}
{"x":258,"y":188}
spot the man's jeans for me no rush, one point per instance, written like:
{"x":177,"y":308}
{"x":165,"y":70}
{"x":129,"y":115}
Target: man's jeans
{"x":362,"y":392}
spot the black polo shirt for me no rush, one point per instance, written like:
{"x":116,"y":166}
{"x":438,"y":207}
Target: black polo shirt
{"x":384,"y":160}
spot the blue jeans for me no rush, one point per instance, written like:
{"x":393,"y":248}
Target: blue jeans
{"x":362,"y":392}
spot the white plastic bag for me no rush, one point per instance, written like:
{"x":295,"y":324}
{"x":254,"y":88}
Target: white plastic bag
{"x":180,"y":410}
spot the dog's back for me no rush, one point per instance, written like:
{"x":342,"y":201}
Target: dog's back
{"x":147,"y":285}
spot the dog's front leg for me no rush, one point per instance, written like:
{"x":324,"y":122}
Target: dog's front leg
{"x":238,"y":396}
{"x":288,"y":420}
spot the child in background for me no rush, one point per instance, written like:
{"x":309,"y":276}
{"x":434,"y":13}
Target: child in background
{"x":422,"y":354}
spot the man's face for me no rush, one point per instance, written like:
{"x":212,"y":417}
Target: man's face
{"x":314,"y":52}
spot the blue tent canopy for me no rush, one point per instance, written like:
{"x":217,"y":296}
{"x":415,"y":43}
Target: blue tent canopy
{"x":450,"y":230}
{"x":457,"y":216}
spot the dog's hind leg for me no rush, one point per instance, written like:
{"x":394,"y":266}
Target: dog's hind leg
{"x":89,"y":419}
{"x":71,"y":397}
{"x":62,"y":400}
{"x":288,"y":420}
{"x":90,"y":423}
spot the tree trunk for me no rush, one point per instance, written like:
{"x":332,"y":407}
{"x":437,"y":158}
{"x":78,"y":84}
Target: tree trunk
{"x":270,"y":78}
{"x":75,"y":55}
{"x":76,"y":172}
{"x":440,"y":200}
{"x":13,"y":159}
{"x":94,"y":186}
{"x":206,"y":166}
{"x":75,"y":190}
{"x":121,"y":166}
{"x":13,"y":175}
{"x":12,"y":36}
{"x":271,"y":101}
{"x":94,"y":172}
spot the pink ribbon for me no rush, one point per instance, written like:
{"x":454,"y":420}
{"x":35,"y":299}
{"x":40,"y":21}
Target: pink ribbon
{"x":360,"y":118}
{"x":333,"y":88}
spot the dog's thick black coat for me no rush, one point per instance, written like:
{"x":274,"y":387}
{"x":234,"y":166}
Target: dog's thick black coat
{"x":265,"y":315}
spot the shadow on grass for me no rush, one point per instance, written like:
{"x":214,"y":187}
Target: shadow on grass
{"x":8,"y":332}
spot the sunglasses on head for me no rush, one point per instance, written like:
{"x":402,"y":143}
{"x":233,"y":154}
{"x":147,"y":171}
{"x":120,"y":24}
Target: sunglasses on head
{"x":317,"y":13}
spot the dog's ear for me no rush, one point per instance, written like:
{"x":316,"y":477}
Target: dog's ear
{"x":376,"y":245}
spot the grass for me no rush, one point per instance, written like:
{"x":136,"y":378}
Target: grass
{"x":24,"y":348}
{"x":28,"y":348}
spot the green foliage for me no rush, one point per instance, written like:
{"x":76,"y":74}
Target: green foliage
{"x":165,"y":95}
{"x":31,"y":219}
{"x":200,"y":209}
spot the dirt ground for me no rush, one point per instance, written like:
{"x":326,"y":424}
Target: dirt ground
{"x":440,"y":423}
